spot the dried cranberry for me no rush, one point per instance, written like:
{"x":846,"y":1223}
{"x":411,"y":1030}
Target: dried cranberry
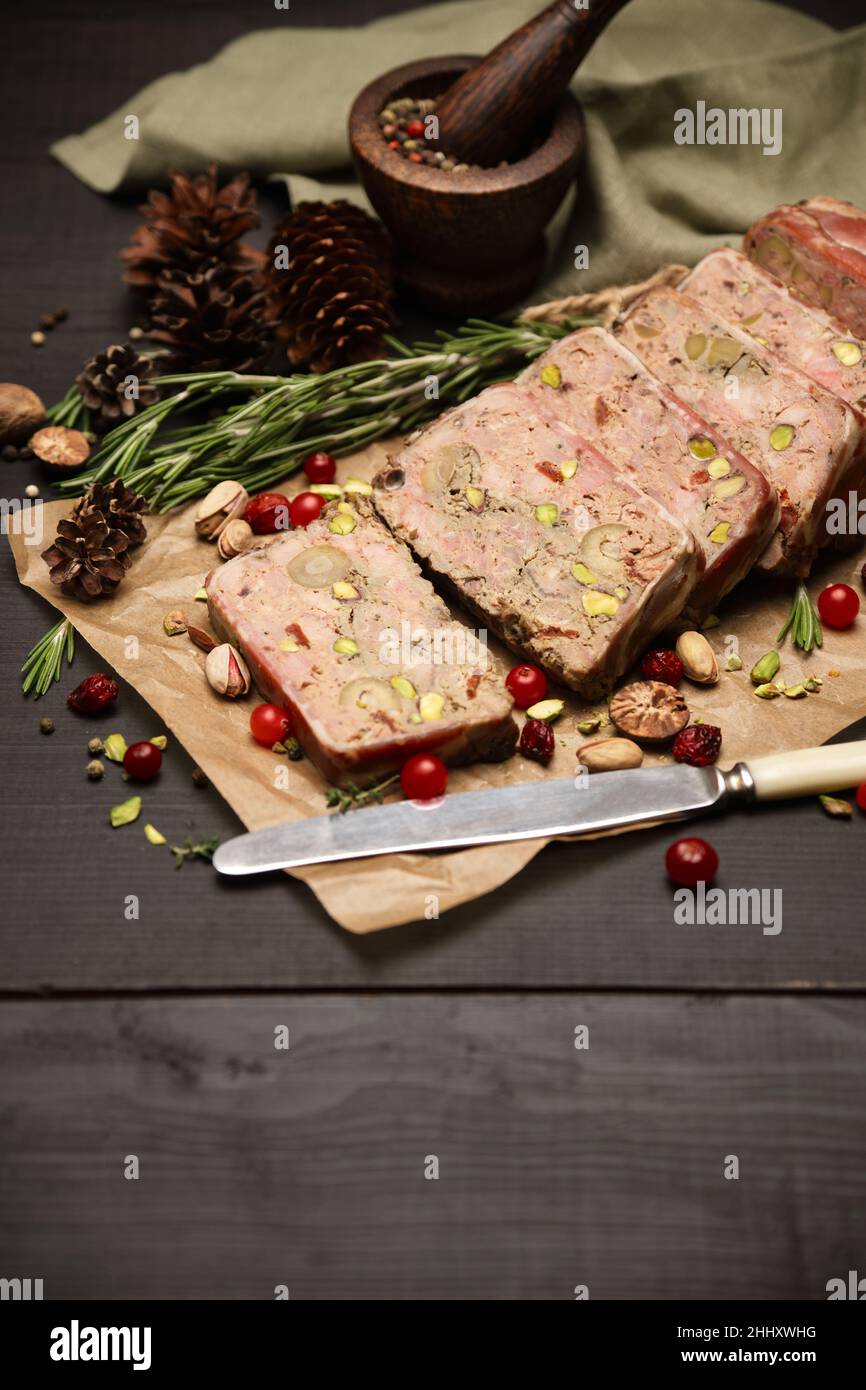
{"x":698,"y":745}
{"x":93,"y":694}
{"x":663,"y":666}
{"x":536,"y":741}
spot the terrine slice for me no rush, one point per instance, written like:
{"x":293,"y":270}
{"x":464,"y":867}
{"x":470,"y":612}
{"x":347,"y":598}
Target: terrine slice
{"x":733,"y":287}
{"x":340,"y":627}
{"x":564,"y":557}
{"x":819,"y":248}
{"x":808,"y":443}
{"x":593,"y":382}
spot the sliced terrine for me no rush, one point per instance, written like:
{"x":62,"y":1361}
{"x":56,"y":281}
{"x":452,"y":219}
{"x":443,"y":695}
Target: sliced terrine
{"x":564,"y":557}
{"x":339,"y":627}
{"x":593,"y":382}
{"x":808,"y":443}
{"x":818,"y":247}
{"x":733,"y":287}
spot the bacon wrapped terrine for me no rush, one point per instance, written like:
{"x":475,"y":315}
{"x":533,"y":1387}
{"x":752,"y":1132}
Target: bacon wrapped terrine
{"x":809,"y":444}
{"x":818,"y":247}
{"x":591,"y":381}
{"x":733,"y":287}
{"x":536,"y":531}
{"x":339,"y":627}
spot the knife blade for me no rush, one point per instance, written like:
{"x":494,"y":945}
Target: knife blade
{"x":562,"y":806}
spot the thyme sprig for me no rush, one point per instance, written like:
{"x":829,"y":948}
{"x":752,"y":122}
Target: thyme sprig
{"x":803,"y":623}
{"x":268,"y":424}
{"x":188,"y":850}
{"x":352,"y":798}
{"x":44,"y":661}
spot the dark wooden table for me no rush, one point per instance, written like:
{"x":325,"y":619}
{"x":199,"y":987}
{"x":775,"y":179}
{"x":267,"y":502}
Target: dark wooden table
{"x":455,"y":1039}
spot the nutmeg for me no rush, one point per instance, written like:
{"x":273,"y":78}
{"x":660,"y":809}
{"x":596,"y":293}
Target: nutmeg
{"x":21,"y":413}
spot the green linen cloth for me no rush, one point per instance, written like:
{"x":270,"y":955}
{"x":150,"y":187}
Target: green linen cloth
{"x":276,"y":102}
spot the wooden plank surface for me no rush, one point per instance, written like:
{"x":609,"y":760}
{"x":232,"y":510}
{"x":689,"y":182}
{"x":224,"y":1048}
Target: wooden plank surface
{"x":557,"y":1167}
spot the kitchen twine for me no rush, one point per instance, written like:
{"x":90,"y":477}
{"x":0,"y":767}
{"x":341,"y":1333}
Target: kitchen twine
{"x":606,"y":304}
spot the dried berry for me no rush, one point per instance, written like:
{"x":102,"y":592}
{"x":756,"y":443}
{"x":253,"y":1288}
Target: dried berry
{"x":649,"y":710}
{"x":663,"y":666}
{"x":536,"y":741}
{"x":93,"y":694}
{"x":698,"y":745}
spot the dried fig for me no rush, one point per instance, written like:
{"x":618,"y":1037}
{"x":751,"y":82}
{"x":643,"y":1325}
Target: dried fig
{"x":649,"y":710}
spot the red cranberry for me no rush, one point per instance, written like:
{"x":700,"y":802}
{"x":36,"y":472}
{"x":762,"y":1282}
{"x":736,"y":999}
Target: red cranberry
{"x":536,"y":741}
{"x":320,"y":468}
{"x":305,"y":508}
{"x":860,"y":798}
{"x":838,"y":605}
{"x":526,"y":685}
{"x":663,"y":666}
{"x":423,"y":777}
{"x":698,"y":745}
{"x":269,"y":725}
{"x":93,"y":694}
{"x":690,"y":862}
{"x":142,"y":761}
{"x":267,"y":513}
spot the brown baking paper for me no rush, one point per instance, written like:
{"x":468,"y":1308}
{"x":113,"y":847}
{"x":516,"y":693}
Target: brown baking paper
{"x":369,"y":894}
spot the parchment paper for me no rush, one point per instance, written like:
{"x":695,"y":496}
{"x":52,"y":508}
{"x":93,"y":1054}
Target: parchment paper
{"x":367,"y":895}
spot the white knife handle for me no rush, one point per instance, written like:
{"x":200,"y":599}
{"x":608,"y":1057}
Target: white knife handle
{"x":809,"y":771}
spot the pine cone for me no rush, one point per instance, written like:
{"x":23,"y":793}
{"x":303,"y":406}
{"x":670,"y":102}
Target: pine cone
{"x":103,"y":385}
{"x":119,"y":507}
{"x":333,"y":300}
{"x":193,"y":222}
{"x":88,"y":558}
{"x":214,"y":318}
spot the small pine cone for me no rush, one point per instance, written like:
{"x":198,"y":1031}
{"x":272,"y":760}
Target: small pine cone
{"x":195,"y":221}
{"x":212,"y":319}
{"x":106,"y":383}
{"x":119,"y":506}
{"x":88,"y":558}
{"x":333,"y":300}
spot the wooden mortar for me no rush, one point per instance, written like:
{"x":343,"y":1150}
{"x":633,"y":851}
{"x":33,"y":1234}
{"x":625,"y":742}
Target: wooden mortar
{"x":468,"y":243}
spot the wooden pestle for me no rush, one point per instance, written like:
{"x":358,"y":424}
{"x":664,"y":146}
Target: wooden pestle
{"x":491,"y":111}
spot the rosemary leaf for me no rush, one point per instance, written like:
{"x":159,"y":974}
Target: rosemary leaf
{"x":44,"y":662}
{"x":802,"y":622}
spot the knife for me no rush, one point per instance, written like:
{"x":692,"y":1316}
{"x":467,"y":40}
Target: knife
{"x":563,"y":806}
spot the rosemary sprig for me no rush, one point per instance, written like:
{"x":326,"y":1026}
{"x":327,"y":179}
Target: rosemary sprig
{"x":43,"y":663}
{"x":270,"y":423}
{"x":352,"y":798}
{"x":803,"y":622}
{"x":188,"y":850}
